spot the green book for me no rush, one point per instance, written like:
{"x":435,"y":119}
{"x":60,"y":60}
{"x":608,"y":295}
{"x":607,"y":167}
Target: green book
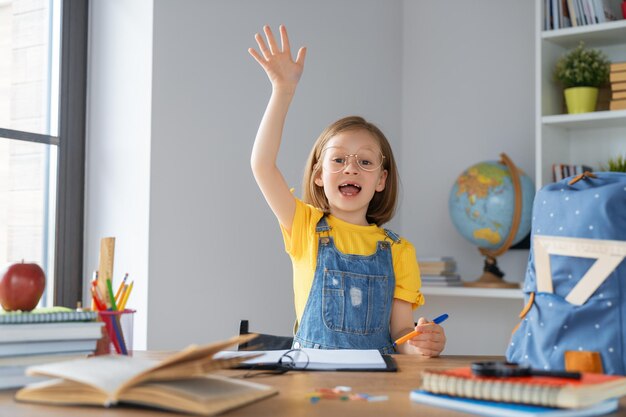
{"x":46,"y":315}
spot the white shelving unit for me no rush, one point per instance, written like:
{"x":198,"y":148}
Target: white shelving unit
{"x":588,"y":138}
{"x":560,"y":138}
{"x":473,"y":292}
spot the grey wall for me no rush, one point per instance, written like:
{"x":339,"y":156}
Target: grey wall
{"x":216,"y":254}
{"x":467,"y":96}
{"x":449,"y":83}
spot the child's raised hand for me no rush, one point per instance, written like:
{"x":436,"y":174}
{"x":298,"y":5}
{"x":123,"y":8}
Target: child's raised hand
{"x":431,"y":340}
{"x":282,"y":70}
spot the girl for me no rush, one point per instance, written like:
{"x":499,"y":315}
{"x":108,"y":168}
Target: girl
{"x":355,"y":283}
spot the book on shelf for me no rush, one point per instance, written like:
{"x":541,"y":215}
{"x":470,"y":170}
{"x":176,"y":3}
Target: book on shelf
{"x":618,"y":105}
{"x":446,"y":280}
{"x":436,"y":266}
{"x":534,"y":390}
{"x":573,"y":13}
{"x":618,"y":87}
{"x":618,"y":95}
{"x":559,"y":14}
{"x":442,"y":284}
{"x":506,"y":409}
{"x":560,"y":171}
{"x":617,"y":76}
{"x":617,"y":66}
{"x":180,"y":382}
{"x":46,"y":315}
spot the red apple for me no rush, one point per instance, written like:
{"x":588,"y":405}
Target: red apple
{"x":21,"y":286}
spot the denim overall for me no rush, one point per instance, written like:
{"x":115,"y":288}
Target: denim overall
{"x":349,"y":305}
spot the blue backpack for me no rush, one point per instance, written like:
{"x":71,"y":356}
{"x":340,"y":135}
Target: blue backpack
{"x":575,"y":285}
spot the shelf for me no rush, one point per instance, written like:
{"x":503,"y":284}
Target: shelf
{"x":598,"y":119}
{"x":601,"y":34}
{"x":474,"y":292}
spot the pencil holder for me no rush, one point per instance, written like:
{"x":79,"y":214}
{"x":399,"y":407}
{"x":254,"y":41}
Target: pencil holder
{"x":119,"y":329}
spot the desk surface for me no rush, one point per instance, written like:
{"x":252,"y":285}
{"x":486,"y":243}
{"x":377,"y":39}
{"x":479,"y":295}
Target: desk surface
{"x":292,"y":399}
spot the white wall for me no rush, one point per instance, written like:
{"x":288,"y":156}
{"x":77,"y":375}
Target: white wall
{"x":118,"y":144}
{"x":449,"y":82}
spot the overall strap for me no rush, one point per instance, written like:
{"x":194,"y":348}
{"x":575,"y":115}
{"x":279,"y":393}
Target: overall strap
{"x":322,"y":225}
{"x":393,"y":236}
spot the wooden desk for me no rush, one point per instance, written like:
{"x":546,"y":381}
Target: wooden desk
{"x":292,"y":400}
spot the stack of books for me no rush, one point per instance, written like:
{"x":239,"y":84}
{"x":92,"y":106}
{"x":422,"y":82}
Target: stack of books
{"x":520,"y":396}
{"x":560,"y":171}
{"x":439,"y":272}
{"x":182,"y":382}
{"x":618,"y":86}
{"x":559,"y":14}
{"x":43,"y":336}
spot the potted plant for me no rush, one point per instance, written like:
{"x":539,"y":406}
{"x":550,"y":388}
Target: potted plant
{"x":581,"y":71}
{"x":617,"y":164}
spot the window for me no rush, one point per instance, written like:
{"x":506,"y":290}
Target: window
{"x":42,"y":119}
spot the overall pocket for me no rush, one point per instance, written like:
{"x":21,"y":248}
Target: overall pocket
{"x":355,"y":303}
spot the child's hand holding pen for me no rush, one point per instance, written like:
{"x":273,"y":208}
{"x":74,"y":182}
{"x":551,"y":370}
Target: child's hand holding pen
{"x":427,"y":339}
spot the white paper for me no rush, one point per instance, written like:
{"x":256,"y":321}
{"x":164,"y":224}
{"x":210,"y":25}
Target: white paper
{"x":319,"y":359}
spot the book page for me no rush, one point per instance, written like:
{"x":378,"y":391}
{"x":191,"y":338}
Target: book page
{"x":114,"y":373}
{"x":105,"y":373}
{"x":204,"y":395}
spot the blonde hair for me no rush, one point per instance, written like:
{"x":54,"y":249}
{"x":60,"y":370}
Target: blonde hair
{"x":382,"y":207}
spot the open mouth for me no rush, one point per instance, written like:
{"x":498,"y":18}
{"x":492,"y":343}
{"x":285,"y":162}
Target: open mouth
{"x":349,"y":189}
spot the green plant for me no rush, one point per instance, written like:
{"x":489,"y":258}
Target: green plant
{"x":617,"y":164}
{"x":582,"y":67}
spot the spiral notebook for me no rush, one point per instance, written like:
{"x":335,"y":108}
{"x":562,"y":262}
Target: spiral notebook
{"x":537,"y":390}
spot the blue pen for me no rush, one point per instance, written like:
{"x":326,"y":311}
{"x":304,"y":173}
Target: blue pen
{"x":414,"y":333}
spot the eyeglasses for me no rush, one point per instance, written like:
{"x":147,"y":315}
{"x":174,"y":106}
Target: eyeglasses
{"x":334,"y":160}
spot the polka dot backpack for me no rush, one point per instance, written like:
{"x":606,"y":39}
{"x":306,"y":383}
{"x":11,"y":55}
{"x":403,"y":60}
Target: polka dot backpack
{"x":575,"y":286}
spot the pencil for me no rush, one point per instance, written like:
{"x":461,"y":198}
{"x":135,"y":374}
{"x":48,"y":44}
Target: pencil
{"x":126,"y":295}
{"x":120,"y":289}
{"x":414,"y":333}
{"x":110,"y":288}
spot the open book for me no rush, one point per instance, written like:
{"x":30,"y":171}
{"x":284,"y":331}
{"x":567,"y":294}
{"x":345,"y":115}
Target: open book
{"x":180,"y":382}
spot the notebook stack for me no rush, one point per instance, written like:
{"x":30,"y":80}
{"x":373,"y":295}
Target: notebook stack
{"x":618,"y":86}
{"x":43,"y":336}
{"x":439,"y":272}
{"x":521,"y":396}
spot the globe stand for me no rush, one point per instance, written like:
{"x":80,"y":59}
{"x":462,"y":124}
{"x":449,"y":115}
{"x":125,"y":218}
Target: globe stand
{"x":492,"y":276}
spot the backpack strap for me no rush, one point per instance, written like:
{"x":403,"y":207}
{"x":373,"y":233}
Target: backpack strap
{"x":584,"y":176}
{"x":525,"y":310}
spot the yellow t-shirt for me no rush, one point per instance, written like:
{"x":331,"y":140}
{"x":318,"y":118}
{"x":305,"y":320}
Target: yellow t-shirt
{"x":301,"y":246}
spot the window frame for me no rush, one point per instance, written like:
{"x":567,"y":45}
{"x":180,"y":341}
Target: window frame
{"x":68,"y":265}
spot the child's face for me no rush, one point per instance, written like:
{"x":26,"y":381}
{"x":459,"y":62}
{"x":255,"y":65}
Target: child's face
{"x":351,"y":173}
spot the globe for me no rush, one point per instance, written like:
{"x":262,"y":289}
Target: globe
{"x":482,"y":206}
